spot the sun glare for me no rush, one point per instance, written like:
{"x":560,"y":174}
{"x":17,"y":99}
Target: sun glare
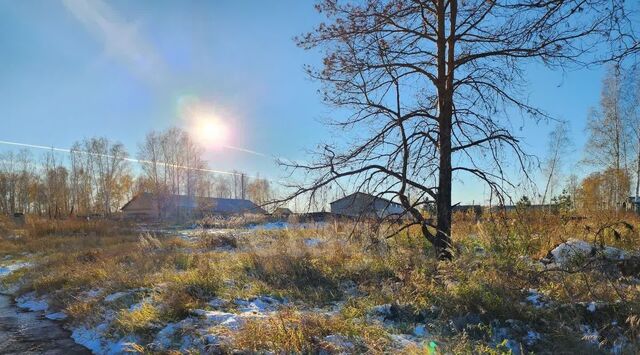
{"x":211,"y":132}
{"x":207,"y":124}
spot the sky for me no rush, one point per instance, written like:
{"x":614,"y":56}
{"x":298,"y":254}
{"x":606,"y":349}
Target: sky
{"x":75,"y":69}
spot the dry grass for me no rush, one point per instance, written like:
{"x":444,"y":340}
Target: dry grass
{"x":291,"y":331}
{"x":488,"y":279}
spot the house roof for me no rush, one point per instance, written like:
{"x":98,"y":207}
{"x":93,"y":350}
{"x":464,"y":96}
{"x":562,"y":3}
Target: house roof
{"x":217,"y":205}
{"x":363,"y":194}
{"x":634,"y":199}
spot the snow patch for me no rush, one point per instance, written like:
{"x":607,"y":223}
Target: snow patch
{"x":217,"y":303}
{"x":589,"y":334}
{"x":56,"y":316}
{"x":575,"y":248}
{"x":259,"y":304}
{"x":532,"y":337}
{"x":93,"y":293}
{"x":271,"y":226}
{"x":420,"y":331}
{"x":536,"y":298}
{"x":94,"y":339}
{"x":30,"y":302}
{"x":116,"y":296}
{"x":9,"y":269}
{"x":312,"y":242}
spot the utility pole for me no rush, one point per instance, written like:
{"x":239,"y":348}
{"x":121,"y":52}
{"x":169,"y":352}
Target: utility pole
{"x":242,"y":185}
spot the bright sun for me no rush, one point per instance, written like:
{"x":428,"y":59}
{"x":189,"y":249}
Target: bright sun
{"x":211,"y":132}
{"x":209,"y":126}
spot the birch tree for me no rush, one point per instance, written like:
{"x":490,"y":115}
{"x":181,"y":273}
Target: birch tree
{"x":558,"y":147}
{"x":607,"y":145}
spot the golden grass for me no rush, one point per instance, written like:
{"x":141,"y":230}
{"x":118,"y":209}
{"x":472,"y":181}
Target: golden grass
{"x":489,"y":277}
{"x":291,"y":331}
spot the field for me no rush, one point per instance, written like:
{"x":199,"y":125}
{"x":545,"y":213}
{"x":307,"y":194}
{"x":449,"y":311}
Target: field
{"x":333,"y":287}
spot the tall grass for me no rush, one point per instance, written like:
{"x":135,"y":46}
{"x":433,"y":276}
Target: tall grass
{"x":356,"y":266}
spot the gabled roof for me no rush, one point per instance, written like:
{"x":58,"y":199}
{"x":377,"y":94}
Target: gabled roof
{"x":216,"y":205}
{"x":354,"y":195}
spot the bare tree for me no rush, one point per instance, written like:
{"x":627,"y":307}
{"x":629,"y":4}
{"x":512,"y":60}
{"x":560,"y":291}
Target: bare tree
{"x":222,"y":187}
{"x":259,"y":191}
{"x":559,"y":144}
{"x":173,"y":165}
{"x":432,"y":85}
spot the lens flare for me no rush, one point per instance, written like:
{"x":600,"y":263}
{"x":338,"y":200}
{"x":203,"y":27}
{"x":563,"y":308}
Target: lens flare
{"x":206,"y":123}
{"x":210,"y":131}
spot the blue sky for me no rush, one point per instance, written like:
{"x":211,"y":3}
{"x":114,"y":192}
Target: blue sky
{"x":72,"y":69}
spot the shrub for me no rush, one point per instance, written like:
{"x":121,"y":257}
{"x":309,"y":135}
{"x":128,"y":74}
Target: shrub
{"x":290,"y":331}
{"x":138,"y":320}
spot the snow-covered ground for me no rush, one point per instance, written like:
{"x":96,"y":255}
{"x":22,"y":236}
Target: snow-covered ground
{"x":9,"y":268}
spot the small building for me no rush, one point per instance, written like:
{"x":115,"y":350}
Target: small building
{"x":361,"y":204}
{"x":149,"y":206}
{"x":282,"y":212}
{"x":632,"y":204}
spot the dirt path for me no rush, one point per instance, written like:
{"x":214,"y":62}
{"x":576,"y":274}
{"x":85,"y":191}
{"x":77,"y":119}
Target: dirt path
{"x":30,"y":333}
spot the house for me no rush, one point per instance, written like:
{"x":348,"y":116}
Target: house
{"x":149,"y":206}
{"x":360,"y":204}
{"x":282,"y":212}
{"x":632,"y":204}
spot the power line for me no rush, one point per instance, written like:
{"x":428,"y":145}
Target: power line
{"x":133,"y":160}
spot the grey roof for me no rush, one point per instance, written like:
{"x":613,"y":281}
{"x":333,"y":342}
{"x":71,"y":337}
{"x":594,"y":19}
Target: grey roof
{"x":369,"y":197}
{"x":634,"y":199}
{"x":213,"y":204}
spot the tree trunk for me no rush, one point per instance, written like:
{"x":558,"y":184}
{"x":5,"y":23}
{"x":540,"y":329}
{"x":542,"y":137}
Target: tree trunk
{"x":638,"y":171}
{"x":442,"y":242}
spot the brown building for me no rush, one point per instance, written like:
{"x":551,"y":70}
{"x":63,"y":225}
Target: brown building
{"x":360,"y":204}
{"x":282,"y":212}
{"x":149,"y":206}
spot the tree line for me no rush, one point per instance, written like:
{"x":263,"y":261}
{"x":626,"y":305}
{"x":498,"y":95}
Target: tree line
{"x":97,"y":176}
{"x":611,"y":152}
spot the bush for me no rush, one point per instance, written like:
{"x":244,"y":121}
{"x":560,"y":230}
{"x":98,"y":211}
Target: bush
{"x":138,"y":320}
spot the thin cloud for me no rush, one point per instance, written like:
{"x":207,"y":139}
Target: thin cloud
{"x":122,"y":41}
